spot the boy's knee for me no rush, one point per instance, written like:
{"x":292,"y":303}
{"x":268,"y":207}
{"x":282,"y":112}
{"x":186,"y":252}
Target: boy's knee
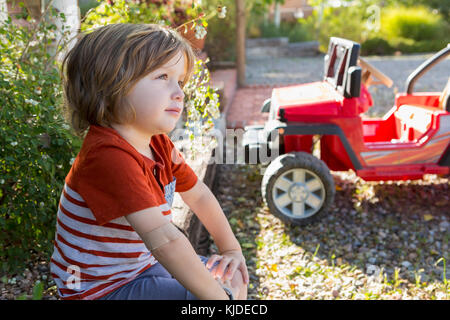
{"x":237,"y":282}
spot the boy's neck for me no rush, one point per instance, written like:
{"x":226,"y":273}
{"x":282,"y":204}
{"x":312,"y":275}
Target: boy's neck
{"x":137,"y":139}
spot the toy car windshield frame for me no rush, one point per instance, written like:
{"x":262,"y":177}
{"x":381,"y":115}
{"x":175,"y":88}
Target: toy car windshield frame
{"x":341,"y":68}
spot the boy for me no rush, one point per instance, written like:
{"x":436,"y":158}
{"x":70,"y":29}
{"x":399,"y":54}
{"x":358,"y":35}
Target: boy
{"x":114,"y":238}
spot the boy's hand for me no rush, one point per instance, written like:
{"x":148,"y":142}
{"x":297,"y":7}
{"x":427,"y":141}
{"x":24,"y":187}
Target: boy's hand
{"x":230,"y":261}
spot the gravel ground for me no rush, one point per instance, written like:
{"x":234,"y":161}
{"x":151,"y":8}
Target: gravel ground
{"x":271,"y":71}
{"x":379,"y":240}
{"x":34,"y":283}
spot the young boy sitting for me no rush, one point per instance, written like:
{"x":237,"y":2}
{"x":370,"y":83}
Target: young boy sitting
{"x":114,"y":237}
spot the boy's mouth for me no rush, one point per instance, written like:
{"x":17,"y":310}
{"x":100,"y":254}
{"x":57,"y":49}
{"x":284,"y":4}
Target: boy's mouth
{"x":174,"y":110}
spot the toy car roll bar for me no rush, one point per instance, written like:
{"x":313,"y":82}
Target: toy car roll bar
{"x":424,"y":67}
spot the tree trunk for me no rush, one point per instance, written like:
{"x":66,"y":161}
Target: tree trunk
{"x":240,"y":42}
{"x":71,"y":11}
{"x":277,"y":15}
{"x":3,"y":11}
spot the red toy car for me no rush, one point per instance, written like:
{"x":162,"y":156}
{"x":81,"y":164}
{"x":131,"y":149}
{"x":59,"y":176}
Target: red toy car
{"x":411,"y":140}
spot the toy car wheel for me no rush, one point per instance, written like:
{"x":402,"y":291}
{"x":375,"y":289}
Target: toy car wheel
{"x":298,"y":188}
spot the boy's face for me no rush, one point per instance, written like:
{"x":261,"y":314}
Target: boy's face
{"x":158,"y":98}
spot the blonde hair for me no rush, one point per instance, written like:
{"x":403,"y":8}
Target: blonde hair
{"x":102,"y":67}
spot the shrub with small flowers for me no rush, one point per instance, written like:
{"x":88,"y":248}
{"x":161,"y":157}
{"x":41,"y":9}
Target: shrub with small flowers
{"x":36,"y":145}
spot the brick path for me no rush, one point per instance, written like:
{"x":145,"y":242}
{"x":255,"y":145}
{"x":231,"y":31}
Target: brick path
{"x":246,"y":106}
{"x":243,"y":105}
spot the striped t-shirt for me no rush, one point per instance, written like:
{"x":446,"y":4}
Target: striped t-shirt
{"x":96,"y":250}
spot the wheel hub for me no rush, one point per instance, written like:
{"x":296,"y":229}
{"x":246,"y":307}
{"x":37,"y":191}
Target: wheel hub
{"x":298,"y":192}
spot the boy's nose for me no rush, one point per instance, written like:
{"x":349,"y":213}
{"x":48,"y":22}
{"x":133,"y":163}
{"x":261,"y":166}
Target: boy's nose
{"x":178,"y":94}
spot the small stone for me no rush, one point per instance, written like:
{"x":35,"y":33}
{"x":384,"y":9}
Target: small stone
{"x":348,"y":247}
{"x":318,"y":286}
{"x":372,"y":260}
{"x":42,"y":268}
{"x":335,"y":293}
{"x":441,"y":296}
{"x":25,"y":282}
{"x":444,"y":226}
{"x":406,"y":264}
{"x":371,"y":269}
{"x":412,"y":255}
{"x":397,"y":296}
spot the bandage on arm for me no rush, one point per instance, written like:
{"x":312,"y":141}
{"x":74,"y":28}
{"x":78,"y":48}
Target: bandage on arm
{"x":160,"y":236}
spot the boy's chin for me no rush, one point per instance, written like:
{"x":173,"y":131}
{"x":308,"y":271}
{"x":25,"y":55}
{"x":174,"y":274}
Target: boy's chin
{"x":168,"y":129}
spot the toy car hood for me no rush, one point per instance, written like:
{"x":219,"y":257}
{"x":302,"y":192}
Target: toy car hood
{"x":317,"y":98}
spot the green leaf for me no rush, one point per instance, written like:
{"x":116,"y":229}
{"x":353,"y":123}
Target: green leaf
{"x":38,"y":290}
{"x":247,"y":245}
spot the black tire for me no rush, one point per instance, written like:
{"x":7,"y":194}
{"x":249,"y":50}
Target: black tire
{"x":315,"y":173}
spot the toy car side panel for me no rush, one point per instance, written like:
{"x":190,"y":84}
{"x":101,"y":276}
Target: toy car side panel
{"x":339,"y":147}
{"x":429,"y":150}
{"x":334,"y":153}
{"x":375,"y":130}
{"x":444,"y":133}
{"x":445,"y":159}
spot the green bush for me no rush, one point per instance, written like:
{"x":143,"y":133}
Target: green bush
{"x":345,"y":22}
{"x":411,"y":46}
{"x":408,"y":30}
{"x":417,"y":23}
{"x":376,"y":46}
{"x":295,"y":31}
{"x":85,"y":5}
{"x":36,"y":145}
{"x":442,"y":6}
{"x":220,"y":43}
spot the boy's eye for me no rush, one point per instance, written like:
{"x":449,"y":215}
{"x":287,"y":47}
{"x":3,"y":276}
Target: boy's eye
{"x":165,"y":77}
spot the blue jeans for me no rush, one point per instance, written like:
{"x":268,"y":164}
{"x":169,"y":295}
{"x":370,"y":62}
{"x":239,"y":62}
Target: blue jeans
{"x":155,"y":283}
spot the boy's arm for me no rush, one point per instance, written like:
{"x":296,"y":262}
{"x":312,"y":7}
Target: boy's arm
{"x":206,"y":207}
{"x":177,"y":256}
